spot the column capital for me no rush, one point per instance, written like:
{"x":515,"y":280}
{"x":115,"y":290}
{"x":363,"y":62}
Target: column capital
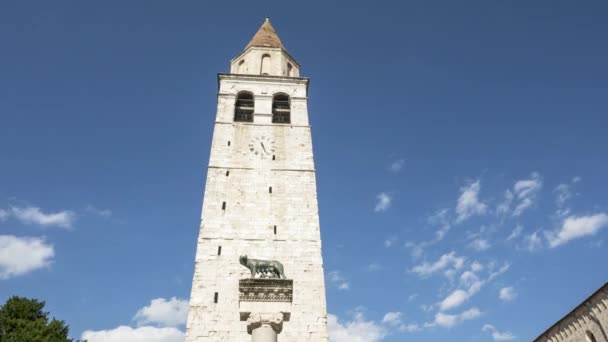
{"x":256,"y":320}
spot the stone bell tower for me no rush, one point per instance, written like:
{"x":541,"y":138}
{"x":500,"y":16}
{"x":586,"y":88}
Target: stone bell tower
{"x":259,"y":271}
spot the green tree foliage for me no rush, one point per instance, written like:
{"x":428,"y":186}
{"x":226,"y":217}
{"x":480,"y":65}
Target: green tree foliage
{"x":23,"y":320}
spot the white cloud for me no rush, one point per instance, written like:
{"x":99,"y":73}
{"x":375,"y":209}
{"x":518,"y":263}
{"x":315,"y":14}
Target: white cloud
{"x":507,"y":294}
{"x":575,"y":227}
{"x":497,"y":335}
{"x":373,"y":267}
{"x":476,"y":266}
{"x":357,"y":330}
{"x":505,"y":206}
{"x":480,"y":244}
{"x":3,"y":215}
{"x":338,"y":280}
{"x":454,"y":299}
{"x":494,"y":274}
{"x":470,"y":285}
{"x":389,"y":241}
{"x":427,"y":308}
{"x":450,"y":273}
{"x":526,"y":187}
{"x":475,"y":287}
{"x":563,"y":194}
{"x":164,"y":312}
{"x":448,"y":321}
{"x":532,"y":242}
{"x":141,"y":334}
{"x":468,"y":278}
{"x":447,"y":260}
{"x":392,"y":318}
{"x":20,"y":255}
{"x":413,"y":327}
{"x":440,"y":218}
{"x":525,"y":192}
{"x":468,"y":203}
{"x":397,"y":165}
{"x":522,"y":196}
{"x":33,"y":215}
{"x":417,"y":248}
{"x":105,"y":213}
{"x":384,"y":202}
{"x":516,"y":232}
{"x":458,"y":297}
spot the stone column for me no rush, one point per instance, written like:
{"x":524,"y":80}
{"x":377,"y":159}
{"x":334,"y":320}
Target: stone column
{"x":264,"y":327}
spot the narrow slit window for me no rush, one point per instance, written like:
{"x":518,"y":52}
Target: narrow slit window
{"x":275,"y":230}
{"x":273,"y":157}
{"x":223,"y":205}
{"x":227,"y":173}
{"x":281,"y":109}
{"x":219,"y":250}
{"x":216,"y":297}
{"x":270,"y":190}
{"x":228,"y":142}
{"x":265,"y":68}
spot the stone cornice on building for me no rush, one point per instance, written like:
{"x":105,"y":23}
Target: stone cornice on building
{"x":266,"y":290}
{"x":264,"y":78}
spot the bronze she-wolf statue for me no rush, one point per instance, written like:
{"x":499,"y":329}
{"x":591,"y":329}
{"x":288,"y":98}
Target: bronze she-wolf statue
{"x":266,"y":268}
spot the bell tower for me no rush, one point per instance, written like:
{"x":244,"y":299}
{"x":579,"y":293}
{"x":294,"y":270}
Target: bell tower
{"x":258,"y":270}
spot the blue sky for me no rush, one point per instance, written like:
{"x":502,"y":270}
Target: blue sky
{"x":460,"y":150}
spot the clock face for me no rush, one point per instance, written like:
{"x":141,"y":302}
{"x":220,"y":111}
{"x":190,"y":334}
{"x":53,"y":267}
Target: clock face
{"x":262,"y":147}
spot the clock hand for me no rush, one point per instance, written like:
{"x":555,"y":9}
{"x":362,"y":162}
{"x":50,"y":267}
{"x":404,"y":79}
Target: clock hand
{"x":264,"y":148}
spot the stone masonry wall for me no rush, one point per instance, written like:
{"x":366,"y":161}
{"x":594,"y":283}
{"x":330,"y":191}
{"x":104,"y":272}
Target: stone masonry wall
{"x":251,"y":60}
{"x":240,"y":213}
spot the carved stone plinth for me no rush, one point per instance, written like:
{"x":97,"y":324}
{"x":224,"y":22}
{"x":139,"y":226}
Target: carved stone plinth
{"x":265,"y":290}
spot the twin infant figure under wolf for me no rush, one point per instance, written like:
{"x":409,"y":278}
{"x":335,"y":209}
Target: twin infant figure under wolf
{"x":264,"y":268}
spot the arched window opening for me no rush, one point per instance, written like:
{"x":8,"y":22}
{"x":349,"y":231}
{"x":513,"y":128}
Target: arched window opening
{"x":265,"y":65}
{"x":590,"y":336}
{"x":241,"y":67}
{"x":243,"y":109}
{"x":281,"y":109}
{"x":289,"y":69}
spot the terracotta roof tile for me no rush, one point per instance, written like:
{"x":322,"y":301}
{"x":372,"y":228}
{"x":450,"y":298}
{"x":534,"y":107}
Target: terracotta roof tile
{"x":266,"y":36}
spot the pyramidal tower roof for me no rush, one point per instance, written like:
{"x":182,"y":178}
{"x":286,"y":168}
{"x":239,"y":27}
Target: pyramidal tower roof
{"x":266,"y":36}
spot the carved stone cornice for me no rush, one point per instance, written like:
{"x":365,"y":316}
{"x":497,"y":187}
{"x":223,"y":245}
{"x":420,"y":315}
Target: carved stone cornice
{"x":266,"y":290}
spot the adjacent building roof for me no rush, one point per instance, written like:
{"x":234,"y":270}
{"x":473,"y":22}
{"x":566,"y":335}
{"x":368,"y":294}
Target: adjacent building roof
{"x":266,"y":36}
{"x":583,"y":304}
